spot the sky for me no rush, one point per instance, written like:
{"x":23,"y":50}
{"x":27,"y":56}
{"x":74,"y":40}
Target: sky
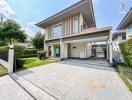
{"x":29,"y":12}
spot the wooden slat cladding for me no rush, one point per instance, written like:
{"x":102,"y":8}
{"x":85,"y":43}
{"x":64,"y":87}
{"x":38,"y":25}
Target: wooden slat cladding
{"x":67,"y":27}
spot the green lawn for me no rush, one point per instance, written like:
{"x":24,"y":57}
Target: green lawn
{"x":2,"y":70}
{"x":32,"y":62}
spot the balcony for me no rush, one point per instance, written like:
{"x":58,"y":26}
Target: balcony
{"x":87,"y":26}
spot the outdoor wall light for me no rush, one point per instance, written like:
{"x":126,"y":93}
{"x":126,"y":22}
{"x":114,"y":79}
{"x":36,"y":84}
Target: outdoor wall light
{"x":74,"y":47}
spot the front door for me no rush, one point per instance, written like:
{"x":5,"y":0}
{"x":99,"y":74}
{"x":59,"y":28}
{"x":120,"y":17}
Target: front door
{"x":57,"y":51}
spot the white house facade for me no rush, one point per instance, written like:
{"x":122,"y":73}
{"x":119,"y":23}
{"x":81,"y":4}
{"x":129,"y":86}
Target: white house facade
{"x":72,"y":33}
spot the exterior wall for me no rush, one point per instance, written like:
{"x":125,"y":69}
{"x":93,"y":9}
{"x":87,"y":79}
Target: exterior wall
{"x":80,"y":50}
{"x":67,"y":27}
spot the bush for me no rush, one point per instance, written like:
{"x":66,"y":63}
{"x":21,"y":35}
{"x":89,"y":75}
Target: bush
{"x":41,"y":54}
{"x":26,"y":53}
{"x":2,"y":44}
{"x":19,"y":63}
{"x":19,"y":48}
{"x":126,"y":50}
{"x":4,"y":48}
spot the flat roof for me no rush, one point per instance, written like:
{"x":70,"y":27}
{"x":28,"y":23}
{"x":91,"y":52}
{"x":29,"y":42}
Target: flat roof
{"x":126,"y":20}
{"x":84,"y":6}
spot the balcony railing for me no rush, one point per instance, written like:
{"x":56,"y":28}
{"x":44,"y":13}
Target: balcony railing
{"x":86,"y":26}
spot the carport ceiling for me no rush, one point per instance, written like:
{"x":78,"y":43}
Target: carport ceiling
{"x":96,"y":39}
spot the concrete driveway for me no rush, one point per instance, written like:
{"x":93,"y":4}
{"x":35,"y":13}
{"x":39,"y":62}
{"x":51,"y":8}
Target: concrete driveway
{"x":73,"y":80}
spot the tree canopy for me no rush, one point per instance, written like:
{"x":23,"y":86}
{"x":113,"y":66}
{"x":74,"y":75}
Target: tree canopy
{"x":11,"y":31}
{"x":38,"y":41}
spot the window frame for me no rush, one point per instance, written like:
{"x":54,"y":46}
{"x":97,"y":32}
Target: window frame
{"x":76,"y":21}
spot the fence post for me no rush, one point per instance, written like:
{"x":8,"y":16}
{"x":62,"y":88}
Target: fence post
{"x":11,"y":61}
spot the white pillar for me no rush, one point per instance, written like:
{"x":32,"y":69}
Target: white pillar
{"x":107,"y":49}
{"x":46,"y":48}
{"x":52,"y":51}
{"x":110,"y":47}
{"x":61,"y":49}
{"x":11,"y":61}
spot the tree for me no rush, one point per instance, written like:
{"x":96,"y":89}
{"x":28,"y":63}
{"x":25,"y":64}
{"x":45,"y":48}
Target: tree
{"x":38,"y":41}
{"x":11,"y":31}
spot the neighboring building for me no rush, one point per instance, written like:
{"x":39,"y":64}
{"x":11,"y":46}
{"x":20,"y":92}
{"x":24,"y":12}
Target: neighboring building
{"x":72,"y":33}
{"x":124,"y":31}
{"x":126,"y":24}
{"x":118,"y":37}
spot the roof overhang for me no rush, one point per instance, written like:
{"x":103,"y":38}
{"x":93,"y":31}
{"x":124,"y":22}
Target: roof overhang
{"x":119,"y":32}
{"x":85,"y":7}
{"x":126,"y":21}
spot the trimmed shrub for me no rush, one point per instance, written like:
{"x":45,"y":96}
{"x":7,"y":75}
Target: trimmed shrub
{"x":126,"y":50}
{"x":19,"y":48}
{"x":19,"y":63}
{"x":22,"y":52}
{"x":26,"y":53}
{"x":41,"y":54}
{"x":2,"y":44}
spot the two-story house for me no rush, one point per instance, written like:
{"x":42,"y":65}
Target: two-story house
{"x":72,"y":33}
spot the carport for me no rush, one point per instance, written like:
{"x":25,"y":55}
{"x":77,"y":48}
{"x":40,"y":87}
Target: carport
{"x":80,"y":46}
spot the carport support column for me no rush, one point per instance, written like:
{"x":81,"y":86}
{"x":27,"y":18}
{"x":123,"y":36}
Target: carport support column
{"x":107,"y":47}
{"x":46,"y":49}
{"x":110,"y":47}
{"x":61,"y":50}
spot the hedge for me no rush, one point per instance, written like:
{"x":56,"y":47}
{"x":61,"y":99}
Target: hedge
{"x":26,"y":53}
{"x":126,"y":50}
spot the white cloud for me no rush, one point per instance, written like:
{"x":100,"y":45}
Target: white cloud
{"x":31,"y":29}
{"x":5,"y":9}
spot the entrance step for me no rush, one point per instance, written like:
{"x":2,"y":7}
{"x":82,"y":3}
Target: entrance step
{"x":88,"y":62}
{"x":37,"y":92}
{"x":54,"y":59}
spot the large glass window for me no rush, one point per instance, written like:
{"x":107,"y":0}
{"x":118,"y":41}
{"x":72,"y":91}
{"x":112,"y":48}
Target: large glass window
{"x":57,"y":30}
{"x":130,"y":28}
{"x":75,"y":24}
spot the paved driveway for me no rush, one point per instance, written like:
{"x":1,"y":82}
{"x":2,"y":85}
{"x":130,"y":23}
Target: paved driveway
{"x":73,"y":80}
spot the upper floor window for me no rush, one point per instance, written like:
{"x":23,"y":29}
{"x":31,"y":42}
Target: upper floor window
{"x":75,"y":24}
{"x":130,"y":28}
{"x":57,"y":30}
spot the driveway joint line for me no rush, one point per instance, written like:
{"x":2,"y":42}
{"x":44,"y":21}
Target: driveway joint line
{"x":23,"y":88}
{"x":39,"y":87}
